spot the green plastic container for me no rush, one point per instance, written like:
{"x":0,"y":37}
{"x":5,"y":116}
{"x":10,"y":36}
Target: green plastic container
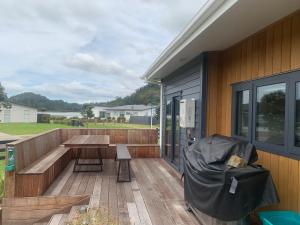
{"x":280,"y":218}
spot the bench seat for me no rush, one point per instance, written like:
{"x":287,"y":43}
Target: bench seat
{"x":43,"y":164}
{"x":34,"y":179}
{"x":135,"y":145}
{"x":123,"y":155}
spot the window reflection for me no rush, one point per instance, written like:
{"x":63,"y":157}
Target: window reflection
{"x":297,"y":116}
{"x":168,"y":129}
{"x":270,"y":113}
{"x":242,"y":126}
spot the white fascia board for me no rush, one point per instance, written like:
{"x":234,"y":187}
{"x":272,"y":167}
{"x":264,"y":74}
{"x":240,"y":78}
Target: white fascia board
{"x":209,"y":13}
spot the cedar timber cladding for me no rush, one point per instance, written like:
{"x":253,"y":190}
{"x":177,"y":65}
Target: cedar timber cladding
{"x":185,"y":82}
{"x":273,"y":50}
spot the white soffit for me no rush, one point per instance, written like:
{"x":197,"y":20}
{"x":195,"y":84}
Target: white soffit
{"x":217,"y":26}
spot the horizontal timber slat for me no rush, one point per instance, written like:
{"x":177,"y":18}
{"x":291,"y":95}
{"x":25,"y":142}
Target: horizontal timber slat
{"x":29,"y":210}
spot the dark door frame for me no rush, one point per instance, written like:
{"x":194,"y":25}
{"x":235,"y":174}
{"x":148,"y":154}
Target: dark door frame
{"x":170,"y":158}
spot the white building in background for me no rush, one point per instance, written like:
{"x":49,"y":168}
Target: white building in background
{"x":18,"y":114}
{"x":124,"y":111}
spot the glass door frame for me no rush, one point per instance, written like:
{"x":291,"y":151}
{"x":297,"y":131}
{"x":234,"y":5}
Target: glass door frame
{"x":171,"y":159}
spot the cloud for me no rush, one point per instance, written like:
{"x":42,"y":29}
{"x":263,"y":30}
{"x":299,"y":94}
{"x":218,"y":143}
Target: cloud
{"x":82,"y":92}
{"x":79,"y":50}
{"x":97,"y":64}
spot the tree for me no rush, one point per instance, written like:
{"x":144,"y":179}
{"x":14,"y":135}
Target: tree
{"x":272,"y":109}
{"x":3,"y":99}
{"x":157,"y":112}
{"x":87,"y":111}
{"x":3,"y":96}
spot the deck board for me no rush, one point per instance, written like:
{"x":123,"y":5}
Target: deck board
{"x":154,"y":197}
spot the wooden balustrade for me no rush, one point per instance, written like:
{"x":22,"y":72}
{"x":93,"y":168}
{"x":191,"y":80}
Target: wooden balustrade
{"x":142,"y":143}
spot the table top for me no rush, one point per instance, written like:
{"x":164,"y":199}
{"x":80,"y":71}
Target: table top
{"x":88,"y":141}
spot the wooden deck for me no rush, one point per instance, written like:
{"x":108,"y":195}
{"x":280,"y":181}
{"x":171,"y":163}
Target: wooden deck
{"x":154,"y":197}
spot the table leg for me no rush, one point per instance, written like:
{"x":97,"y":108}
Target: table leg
{"x":129,"y":172}
{"x":100,"y":159}
{"x":77,"y":155}
{"x":118,"y":177}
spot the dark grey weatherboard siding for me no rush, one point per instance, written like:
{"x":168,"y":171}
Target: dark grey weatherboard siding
{"x":186,"y":82}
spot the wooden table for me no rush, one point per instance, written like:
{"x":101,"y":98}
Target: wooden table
{"x":80,"y":142}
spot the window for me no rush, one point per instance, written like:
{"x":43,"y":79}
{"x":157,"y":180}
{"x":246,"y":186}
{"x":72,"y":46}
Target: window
{"x":241,"y":112}
{"x":102,"y":114}
{"x":266,"y":112}
{"x":168,"y":128}
{"x":297,"y":116}
{"x":242,"y":128}
{"x":26,"y":115}
{"x":270,"y":113}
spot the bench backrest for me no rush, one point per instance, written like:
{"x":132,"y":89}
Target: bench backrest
{"x":116,"y":136}
{"x":29,"y":150}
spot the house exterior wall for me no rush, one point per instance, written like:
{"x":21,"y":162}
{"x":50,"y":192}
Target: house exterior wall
{"x":271,"y":51}
{"x":127,"y":114}
{"x":18,"y":114}
{"x":186,"y":82}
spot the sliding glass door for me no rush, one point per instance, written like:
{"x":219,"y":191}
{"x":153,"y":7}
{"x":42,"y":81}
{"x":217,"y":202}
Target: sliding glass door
{"x":172,"y":131}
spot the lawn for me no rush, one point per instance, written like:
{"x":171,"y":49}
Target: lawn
{"x":28,"y":128}
{"x":119,"y":125}
{"x":2,"y":163}
{"x":35,"y":128}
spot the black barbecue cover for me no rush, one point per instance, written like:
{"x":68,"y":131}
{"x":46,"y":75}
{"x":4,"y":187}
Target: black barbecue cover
{"x":225,"y":193}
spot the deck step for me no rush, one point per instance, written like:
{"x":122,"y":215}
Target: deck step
{"x":30,"y":210}
{"x":58,"y":219}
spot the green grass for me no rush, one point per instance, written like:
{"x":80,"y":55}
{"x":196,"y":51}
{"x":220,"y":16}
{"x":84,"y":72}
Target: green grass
{"x":119,"y":125}
{"x":35,"y":128}
{"x":28,"y":128}
{"x":2,"y":164}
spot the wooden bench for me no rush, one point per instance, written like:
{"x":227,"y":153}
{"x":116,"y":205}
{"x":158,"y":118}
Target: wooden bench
{"x":34,"y":179}
{"x":123,"y":156}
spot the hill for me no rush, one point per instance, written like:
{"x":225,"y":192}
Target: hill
{"x":148,"y":94}
{"x":43,"y":103}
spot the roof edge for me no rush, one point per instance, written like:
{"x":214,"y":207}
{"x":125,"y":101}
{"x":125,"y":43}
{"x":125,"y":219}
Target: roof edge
{"x":209,"y":12}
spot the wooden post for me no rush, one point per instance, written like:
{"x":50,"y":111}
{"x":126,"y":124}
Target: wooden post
{"x":9,"y":182}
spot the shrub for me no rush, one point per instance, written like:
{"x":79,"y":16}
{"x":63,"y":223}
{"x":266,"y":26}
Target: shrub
{"x":43,"y":118}
{"x":1,"y":186}
{"x":121,"y":119}
{"x":75,"y":123}
{"x":93,"y":216}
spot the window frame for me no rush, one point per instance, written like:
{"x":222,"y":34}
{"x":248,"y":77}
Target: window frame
{"x":295,"y":78}
{"x":263,"y":145}
{"x":238,"y":88}
{"x":290,"y":79}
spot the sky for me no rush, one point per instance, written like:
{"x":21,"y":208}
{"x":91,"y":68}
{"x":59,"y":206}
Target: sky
{"x":85,"y":50}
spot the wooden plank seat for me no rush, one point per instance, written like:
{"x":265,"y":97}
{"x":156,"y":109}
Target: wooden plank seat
{"x":34,"y":179}
{"x":123,"y":156}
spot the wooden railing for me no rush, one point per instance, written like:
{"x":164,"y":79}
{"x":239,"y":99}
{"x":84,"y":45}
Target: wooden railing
{"x":142,"y":143}
{"x":30,"y":149}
